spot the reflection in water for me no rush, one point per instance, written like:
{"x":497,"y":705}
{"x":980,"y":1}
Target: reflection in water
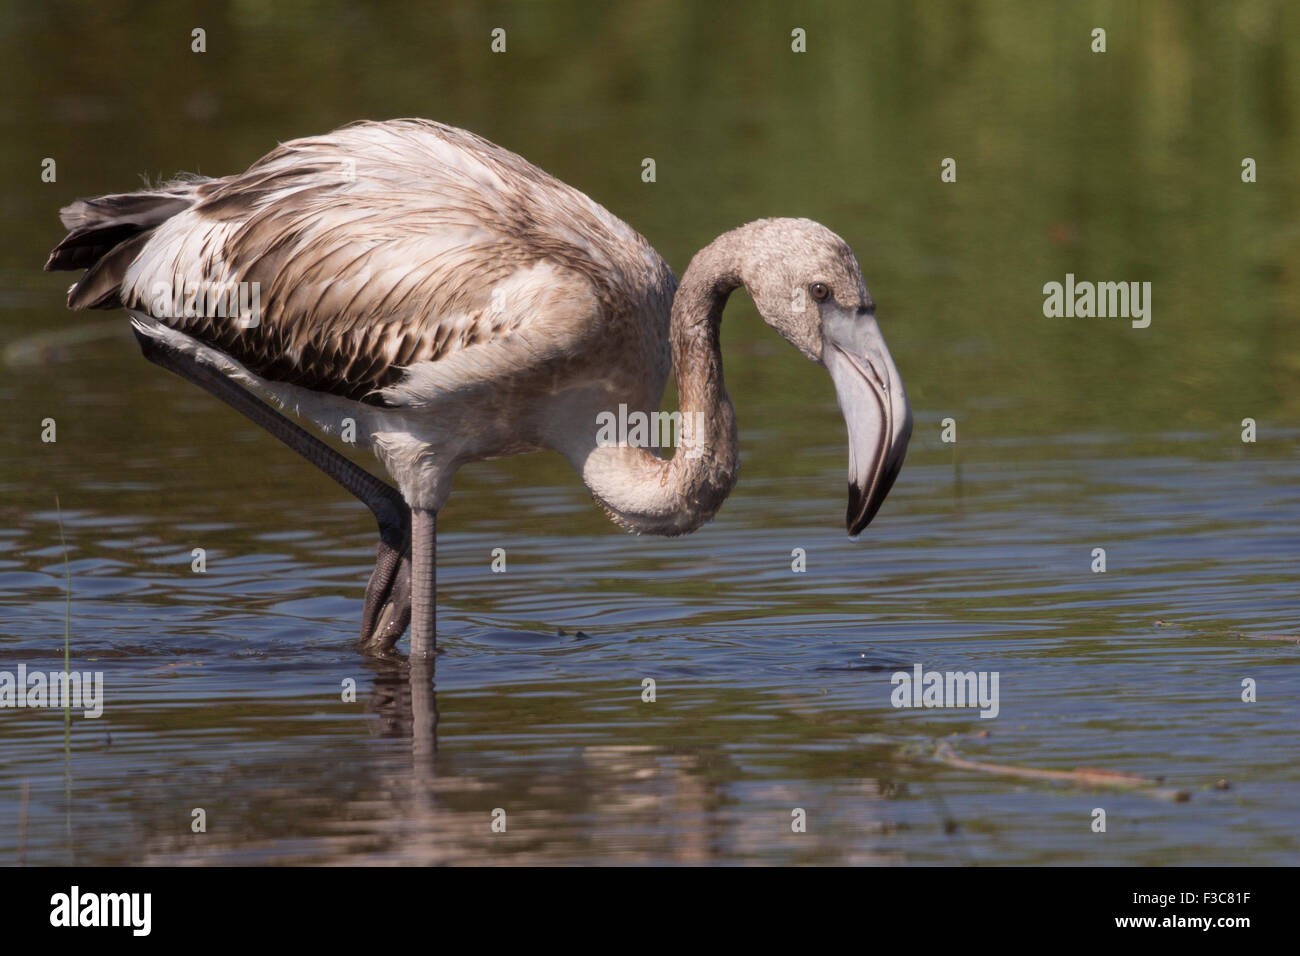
{"x":405,"y":700}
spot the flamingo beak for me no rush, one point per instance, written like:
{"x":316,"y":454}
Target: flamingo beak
{"x":874,"y":405}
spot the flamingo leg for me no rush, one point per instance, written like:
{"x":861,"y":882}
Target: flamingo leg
{"x":388,"y":592}
{"x":424,"y":584}
{"x":387,"y":610}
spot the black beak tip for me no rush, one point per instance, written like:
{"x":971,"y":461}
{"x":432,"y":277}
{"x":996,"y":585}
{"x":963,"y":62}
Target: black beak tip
{"x":859,"y":513}
{"x":862,"y":507}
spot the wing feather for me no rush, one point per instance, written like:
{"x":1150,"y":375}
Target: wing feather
{"x":384,"y":245}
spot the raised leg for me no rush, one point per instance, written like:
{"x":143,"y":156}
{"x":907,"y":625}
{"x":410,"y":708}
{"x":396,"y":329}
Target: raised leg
{"x":388,"y":593}
{"x":424,"y":583}
{"x":387,"y":610}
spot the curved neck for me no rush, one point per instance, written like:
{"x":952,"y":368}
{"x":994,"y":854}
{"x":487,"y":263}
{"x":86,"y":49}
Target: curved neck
{"x":706,"y":474}
{"x":648,"y":494}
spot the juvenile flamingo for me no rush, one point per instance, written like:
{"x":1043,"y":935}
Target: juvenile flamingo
{"x":451,"y":302}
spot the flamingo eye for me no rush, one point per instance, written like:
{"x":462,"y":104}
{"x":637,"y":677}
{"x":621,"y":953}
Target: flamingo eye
{"x":819,"y":291}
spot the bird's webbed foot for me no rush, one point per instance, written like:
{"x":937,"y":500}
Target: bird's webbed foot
{"x":387,"y":609}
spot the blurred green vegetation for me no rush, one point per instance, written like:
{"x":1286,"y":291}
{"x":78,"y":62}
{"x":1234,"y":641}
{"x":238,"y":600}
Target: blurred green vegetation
{"x":1117,"y":166}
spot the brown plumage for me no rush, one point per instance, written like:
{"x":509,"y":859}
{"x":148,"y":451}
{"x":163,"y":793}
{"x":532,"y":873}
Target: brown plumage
{"x":455,"y":303}
{"x":347,"y":236}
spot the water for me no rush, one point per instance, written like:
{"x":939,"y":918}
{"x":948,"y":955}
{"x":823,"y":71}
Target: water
{"x":224,"y":690}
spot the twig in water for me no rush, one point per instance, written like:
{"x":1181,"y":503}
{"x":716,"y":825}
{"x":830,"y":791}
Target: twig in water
{"x":1082,"y":777}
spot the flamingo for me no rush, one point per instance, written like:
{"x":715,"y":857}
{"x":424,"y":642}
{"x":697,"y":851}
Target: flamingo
{"x":449,"y":302}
